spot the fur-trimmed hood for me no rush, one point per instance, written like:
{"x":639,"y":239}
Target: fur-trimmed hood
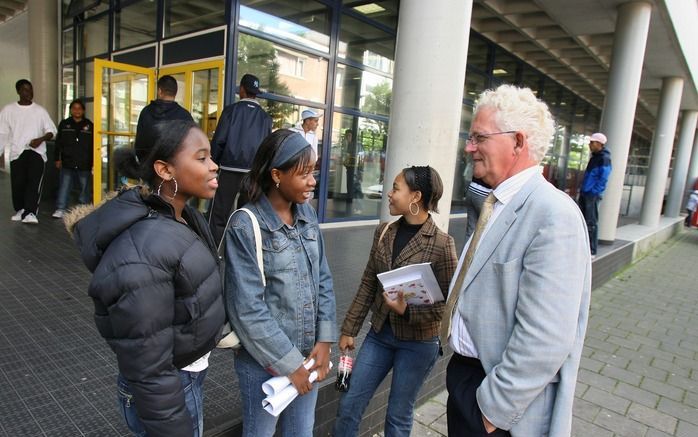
{"x":94,"y":227}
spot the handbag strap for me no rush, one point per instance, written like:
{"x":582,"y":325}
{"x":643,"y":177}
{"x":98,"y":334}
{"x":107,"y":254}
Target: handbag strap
{"x":257,"y":240}
{"x":385,"y":229}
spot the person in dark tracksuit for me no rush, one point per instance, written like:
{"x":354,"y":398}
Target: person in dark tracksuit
{"x":241,"y":129}
{"x":73,"y":156}
{"x":593,"y":186}
{"x":161,"y":109}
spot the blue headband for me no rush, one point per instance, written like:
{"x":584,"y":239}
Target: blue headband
{"x":289,"y":147}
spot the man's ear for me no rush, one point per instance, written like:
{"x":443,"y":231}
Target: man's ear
{"x":163,"y":170}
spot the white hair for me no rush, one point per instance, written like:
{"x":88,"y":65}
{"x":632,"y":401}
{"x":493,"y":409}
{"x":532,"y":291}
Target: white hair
{"x":518,"y":109}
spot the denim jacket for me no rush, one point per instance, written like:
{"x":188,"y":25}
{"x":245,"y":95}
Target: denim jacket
{"x":279,"y":324}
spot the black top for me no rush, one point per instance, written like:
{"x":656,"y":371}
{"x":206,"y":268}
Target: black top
{"x":157,"y":111}
{"x":74,"y":144}
{"x":405,"y":232}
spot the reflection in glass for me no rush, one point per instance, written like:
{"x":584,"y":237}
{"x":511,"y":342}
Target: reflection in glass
{"x":531,"y":79}
{"x":183,"y":16}
{"x":135,"y":24}
{"x":356,"y":167}
{"x":85,"y":83}
{"x":505,"y":65}
{"x":67,"y":89}
{"x":363,"y":90}
{"x":281,"y":70}
{"x":124,"y":95}
{"x":303,"y":22}
{"x":67,"y":46}
{"x":204,"y":100}
{"x":93,"y":37}
{"x":474,"y":85}
{"x":478,"y":53}
{"x":383,"y":12}
{"x":365,"y":44}
{"x":464,"y":169}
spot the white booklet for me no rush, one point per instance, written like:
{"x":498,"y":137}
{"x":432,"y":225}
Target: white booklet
{"x":416,"y":281}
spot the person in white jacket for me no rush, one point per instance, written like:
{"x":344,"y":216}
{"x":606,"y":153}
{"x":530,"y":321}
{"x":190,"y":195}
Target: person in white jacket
{"x":691,"y":206}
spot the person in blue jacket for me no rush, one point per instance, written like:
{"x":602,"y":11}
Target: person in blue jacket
{"x":593,"y":186}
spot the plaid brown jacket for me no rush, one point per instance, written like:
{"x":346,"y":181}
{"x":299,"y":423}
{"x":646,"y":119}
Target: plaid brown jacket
{"x":420,"y":322}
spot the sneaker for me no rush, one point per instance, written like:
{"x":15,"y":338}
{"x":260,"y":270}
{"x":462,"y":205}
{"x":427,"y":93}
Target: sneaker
{"x":593,"y":257}
{"x":18,"y":216}
{"x":31,"y":219}
{"x":58,"y":213}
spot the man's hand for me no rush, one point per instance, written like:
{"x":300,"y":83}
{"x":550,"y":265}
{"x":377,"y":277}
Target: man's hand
{"x":36,"y":142}
{"x":398,"y":305}
{"x":346,"y":342}
{"x":299,"y":379}
{"x":321,"y":355}
{"x":488,"y":425}
{"x":58,"y":165}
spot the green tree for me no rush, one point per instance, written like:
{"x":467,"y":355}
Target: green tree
{"x":258,"y":57}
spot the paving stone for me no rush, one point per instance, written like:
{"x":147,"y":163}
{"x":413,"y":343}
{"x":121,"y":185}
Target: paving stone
{"x":582,"y":428}
{"x":646,"y":369}
{"x":656,"y":433}
{"x":662,"y":389}
{"x":620,"y":424}
{"x":606,"y":400}
{"x":670,"y":367}
{"x":624,"y":342}
{"x":585,"y":410}
{"x":429,"y":412}
{"x":419,"y":430}
{"x":596,"y":380}
{"x":441,"y":425}
{"x":685,"y":429}
{"x":611,"y":359}
{"x":622,"y":375}
{"x":635,"y":394}
{"x":580,"y":389}
{"x":678,"y":410}
{"x":652,"y":418}
{"x":687,"y":384}
{"x":591,"y":364}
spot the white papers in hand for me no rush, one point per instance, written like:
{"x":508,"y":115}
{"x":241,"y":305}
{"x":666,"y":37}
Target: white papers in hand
{"x":280,"y":392}
{"x":416,"y":281}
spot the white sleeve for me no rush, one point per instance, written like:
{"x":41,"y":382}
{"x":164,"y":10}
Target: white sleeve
{"x":48,"y":125}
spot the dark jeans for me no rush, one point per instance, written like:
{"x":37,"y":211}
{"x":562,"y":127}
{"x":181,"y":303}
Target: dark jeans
{"x":26,"y":177}
{"x":229,"y":183}
{"x":463,"y":414}
{"x":590,"y":208}
{"x":68,"y":177}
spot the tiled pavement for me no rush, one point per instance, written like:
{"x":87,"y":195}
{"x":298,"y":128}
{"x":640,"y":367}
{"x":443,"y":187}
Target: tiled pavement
{"x":639,"y":373}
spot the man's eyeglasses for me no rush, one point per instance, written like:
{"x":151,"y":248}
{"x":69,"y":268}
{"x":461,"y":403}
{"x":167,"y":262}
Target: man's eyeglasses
{"x":476,"y":139}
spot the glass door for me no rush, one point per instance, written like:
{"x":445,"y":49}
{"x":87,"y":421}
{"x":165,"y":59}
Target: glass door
{"x":200,"y":91}
{"x":121,"y":91}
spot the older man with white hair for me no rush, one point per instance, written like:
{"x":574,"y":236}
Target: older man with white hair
{"x":518,"y":306}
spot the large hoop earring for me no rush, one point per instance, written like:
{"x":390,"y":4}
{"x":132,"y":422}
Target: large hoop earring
{"x":173,"y":194}
{"x":418,"y":209}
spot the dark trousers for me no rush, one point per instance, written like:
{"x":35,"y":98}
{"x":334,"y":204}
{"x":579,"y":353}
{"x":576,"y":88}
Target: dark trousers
{"x":26,"y":178}
{"x":590,"y":209}
{"x":229,"y":183}
{"x":463,"y":376}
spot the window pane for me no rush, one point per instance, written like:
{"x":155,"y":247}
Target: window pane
{"x":477,"y":53}
{"x":281,"y":70}
{"x":94,"y":37}
{"x":363,"y":90}
{"x":303,"y":22}
{"x":68,"y":46}
{"x":67,"y":20}
{"x":463,"y":164}
{"x":204,"y":100}
{"x":182,"y":16}
{"x":505,"y":65}
{"x":365,"y":44}
{"x":135,"y":24}
{"x":67,"y":89}
{"x":356,"y":168}
{"x":474,"y":85}
{"x":384,"y":12}
{"x":85,"y":79}
{"x":531,"y":79}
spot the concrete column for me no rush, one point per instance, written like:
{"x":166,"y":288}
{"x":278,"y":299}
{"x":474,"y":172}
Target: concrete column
{"x":632,"y":26}
{"x":681,"y":162}
{"x":428,"y":96}
{"x":43,"y":56}
{"x":662,"y":143}
{"x":693,"y":168}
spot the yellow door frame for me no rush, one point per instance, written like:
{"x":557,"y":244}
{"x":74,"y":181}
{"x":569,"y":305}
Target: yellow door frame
{"x":188,"y":70}
{"x":99,"y":66}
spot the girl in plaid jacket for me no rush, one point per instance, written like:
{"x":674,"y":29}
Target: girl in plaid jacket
{"x":402,"y":337}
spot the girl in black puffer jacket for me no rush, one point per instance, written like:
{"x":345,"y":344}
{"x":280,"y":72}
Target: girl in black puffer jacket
{"x":156,"y":286}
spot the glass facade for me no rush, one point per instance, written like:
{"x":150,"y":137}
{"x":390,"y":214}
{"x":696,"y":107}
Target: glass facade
{"x":334,"y":56}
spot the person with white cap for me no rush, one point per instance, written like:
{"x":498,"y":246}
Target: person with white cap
{"x":593,"y":185}
{"x":307,"y":126}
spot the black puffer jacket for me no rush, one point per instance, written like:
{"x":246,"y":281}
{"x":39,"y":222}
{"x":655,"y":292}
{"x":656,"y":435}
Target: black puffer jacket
{"x":157,"y":111}
{"x":158,"y":298}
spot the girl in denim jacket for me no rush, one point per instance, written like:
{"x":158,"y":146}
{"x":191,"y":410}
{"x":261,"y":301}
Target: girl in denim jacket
{"x":292,"y":318}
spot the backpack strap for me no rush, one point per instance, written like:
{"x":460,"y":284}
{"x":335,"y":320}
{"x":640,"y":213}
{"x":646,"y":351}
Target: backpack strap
{"x":257,"y":240}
